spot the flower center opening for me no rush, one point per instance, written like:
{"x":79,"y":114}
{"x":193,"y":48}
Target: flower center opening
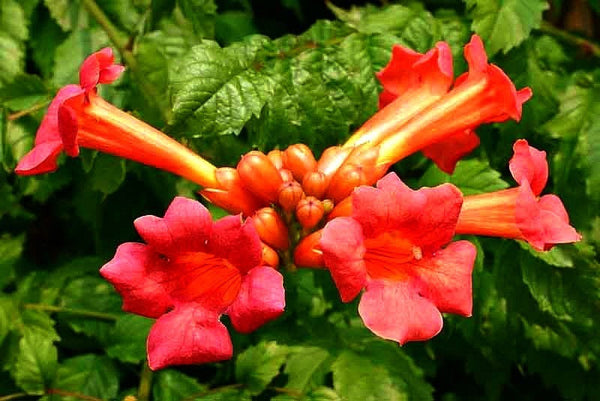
{"x":388,"y":254}
{"x":204,"y":278}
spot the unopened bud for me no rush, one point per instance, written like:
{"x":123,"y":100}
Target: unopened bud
{"x":286,"y":175}
{"x":331,"y":159}
{"x":259,"y":175}
{"x":315,"y":184}
{"x":308,"y":253}
{"x":290,"y":194}
{"x":344,"y":181}
{"x":309,"y":212}
{"x":269,"y":256}
{"x":271,"y":228}
{"x":231,"y":194}
{"x":327,"y":205}
{"x":276,"y":159}
{"x":300,"y":160}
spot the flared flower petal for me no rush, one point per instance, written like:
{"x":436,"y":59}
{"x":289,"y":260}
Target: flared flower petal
{"x":260,"y":300}
{"x":530,"y":164}
{"x":197,"y":269}
{"x":447,"y":152}
{"x":99,"y":68}
{"x":188,"y":335}
{"x":139,"y":276}
{"x":395,"y":311}
{"x":392,"y":246}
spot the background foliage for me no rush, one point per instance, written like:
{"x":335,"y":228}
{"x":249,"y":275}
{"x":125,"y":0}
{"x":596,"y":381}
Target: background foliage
{"x":226,"y":76}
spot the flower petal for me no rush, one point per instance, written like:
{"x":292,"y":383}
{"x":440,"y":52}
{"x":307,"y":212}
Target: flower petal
{"x":343,"y":252}
{"x":186,"y":227}
{"x":237,"y":242}
{"x":529,"y":163}
{"x":396,"y":311}
{"x":544,"y":223}
{"x":41,"y":159}
{"x":138,"y":274}
{"x":445,"y":277}
{"x":98,"y":68}
{"x":447,"y":152}
{"x":188,"y":335}
{"x":260,"y":300}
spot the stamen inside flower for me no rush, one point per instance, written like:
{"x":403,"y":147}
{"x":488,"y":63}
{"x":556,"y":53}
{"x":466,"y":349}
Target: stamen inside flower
{"x":387,"y":255}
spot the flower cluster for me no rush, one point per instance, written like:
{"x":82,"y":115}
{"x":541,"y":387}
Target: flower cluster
{"x":388,"y":241}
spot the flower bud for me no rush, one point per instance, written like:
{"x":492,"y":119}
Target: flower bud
{"x":231,"y":194}
{"x":269,"y":257}
{"x":309,"y":212}
{"x":347,"y":178}
{"x":290,"y":194}
{"x":259,"y":175}
{"x":276,"y":158}
{"x":341,"y":209}
{"x":300,"y":160}
{"x":315,"y":184}
{"x":271,"y":228}
{"x":327,"y":205}
{"x":286,"y":175}
{"x":308,"y":253}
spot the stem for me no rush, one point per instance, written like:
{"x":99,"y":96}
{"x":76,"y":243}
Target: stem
{"x":585,"y":44}
{"x":79,"y":312}
{"x":32,"y":109}
{"x":72,"y":394}
{"x":145,"y":385}
{"x":121,"y":44}
{"x":13,"y":396}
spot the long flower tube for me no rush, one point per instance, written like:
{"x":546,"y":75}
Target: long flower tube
{"x":520,"y":213}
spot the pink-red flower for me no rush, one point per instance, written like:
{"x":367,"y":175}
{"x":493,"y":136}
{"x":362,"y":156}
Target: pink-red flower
{"x":78,"y":117}
{"x":520,"y":213}
{"x":396,"y":246}
{"x":189,"y":272}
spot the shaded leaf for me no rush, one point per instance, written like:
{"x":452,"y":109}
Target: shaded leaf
{"x":259,"y":364}
{"x":173,"y":385}
{"x":36,"y":363}
{"x":128,"y":339}
{"x":91,"y":375}
{"x":470,"y":176}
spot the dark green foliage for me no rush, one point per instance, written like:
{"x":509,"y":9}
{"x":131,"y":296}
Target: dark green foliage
{"x":225,"y":76}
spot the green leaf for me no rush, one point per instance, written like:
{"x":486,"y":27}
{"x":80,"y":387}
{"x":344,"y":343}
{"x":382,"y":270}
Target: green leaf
{"x":10,"y":251}
{"x":36,"y":363}
{"x":13,"y":31}
{"x":121,"y":12}
{"x":306,"y":367}
{"x":471,"y":177}
{"x":492,"y":17}
{"x":12,"y":20}
{"x":557,"y":256}
{"x":128,"y":339}
{"x":577,"y":125}
{"x":108,"y":173}
{"x":413,"y":25}
{"x":173,"y":385}
{"x":259,"y":364}
{"x":220,"y":88}
{"x":71,"y":53}
{"x":225,"y":394}
{"x":233,"y":26}
{"x":8,"y":316}
{"x":92,"y":375}
{"x":202,"y":15}
{"x":39,"y":324}
{"x":560,"y":340}
{"x":69,"y":14}
{"x":376,"y":376}
{"x":24,"y":91}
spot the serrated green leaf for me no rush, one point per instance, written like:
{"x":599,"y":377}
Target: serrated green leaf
{"x":492,"y":17}
{"x":559,"y":340}
{"x":10,"y":251}
{"x":306,"y":368}
{"x":556,"y":256}
{"x":91,"y":375}
{"x":201,"y":13}
{"x":108,"y":173}
{"x":24,"y":91}
{"x":470,"y":176}
{"x":220,"y":88}
{"x":38,"y":323}
{"x":173,"y":385}
{"x":36,"y":363}
{"x":259,"y":364}
{"x":122,"y":12}
{"x":578,"y":126}
{"x":8,"y":316}
{"x":13,"y":31}
{"x":413,"y":25}
{"x":12,"y":20}
{"x":71,"y":53}
{"x":69,"y":14}
{"x":128,"y":339}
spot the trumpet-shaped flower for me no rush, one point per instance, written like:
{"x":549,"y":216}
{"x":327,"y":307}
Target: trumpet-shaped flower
{"x":520,"y":213}
{"x":189,"y":272}
{"x":78,"y":117}
{"x":396,"y":246}
{"x":484,"y":94}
